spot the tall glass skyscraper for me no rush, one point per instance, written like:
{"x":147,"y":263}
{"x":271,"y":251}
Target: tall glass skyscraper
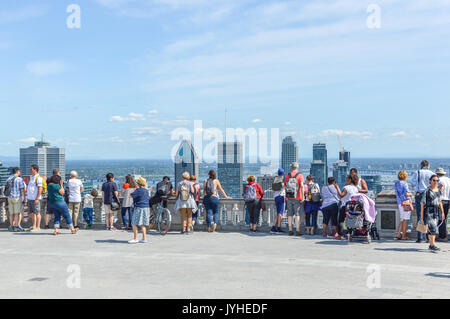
{"x":4,"y":174}
{"x":230,"y":167}
{"x":46,"y":157}
{"x":319,"y":166}
{"x":289,"y":153}
{"x":186,"y":160}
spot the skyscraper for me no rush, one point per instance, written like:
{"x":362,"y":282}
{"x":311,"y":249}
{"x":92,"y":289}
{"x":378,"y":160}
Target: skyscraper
{"x":4,"y":174}
{"x":345,"y":156}
{"x":46,"y":157}
{"x":319,"y":166}
{"x":186,"y":160}
{"x":373,"y":183}
{"x":230,"y":167}
{"x":340,"y":171}
{"x":289,"y":153}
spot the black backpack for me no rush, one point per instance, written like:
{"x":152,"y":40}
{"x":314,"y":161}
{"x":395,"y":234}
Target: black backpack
{"x":162,"y":189}
{"x":8,"y":186}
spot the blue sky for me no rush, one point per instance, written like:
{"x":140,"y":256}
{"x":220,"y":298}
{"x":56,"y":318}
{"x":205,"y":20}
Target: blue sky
{"x":136,"y":70}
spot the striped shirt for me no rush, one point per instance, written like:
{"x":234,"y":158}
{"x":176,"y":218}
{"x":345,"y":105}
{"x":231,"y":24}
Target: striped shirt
{"x":18,"y":185}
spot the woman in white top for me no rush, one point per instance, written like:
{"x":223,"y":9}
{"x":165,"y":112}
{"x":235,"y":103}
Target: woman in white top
{"x":211,"y":200}
{"x":361,"y":184}
{"x":349,"y":190}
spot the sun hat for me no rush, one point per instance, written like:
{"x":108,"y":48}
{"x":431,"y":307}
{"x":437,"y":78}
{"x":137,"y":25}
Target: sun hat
{"x":440,"y":171}
{"x":141,"y":181}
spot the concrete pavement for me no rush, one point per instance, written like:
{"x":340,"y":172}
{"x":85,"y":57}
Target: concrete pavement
{"x":221,"y":265}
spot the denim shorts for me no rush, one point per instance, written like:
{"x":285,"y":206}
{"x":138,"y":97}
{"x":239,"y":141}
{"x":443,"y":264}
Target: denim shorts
{"x":280,"y":203}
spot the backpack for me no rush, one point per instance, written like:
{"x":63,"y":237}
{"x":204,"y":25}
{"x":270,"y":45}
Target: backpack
{"x":162,"y":189}
{"x":8,"y":186}
{"x":250,"y":194}
{"x":44,"y":184}
{"x":277,"y":184}
{"x":292,"y":186}
{"x":210,"y":187}
{"x":184,"y":191}
{"x":195,"y":191}
{"x":315,"y":193}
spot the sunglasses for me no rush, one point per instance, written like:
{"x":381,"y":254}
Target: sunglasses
{"x":435,"y":180}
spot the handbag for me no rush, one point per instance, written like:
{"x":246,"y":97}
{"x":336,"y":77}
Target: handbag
{"x":421,"y":227}
{"x":407,"y":206}
{"x":115,"y":206}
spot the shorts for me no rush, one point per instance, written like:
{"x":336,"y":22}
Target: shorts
{"x":404,"y":215}
{"x":295,"y":207}
{"x":280,"y":203}
{"x":34,"y":208}
{"x":15,"y":206}
{"x":108,"y":209}
{"x":330,"y":213}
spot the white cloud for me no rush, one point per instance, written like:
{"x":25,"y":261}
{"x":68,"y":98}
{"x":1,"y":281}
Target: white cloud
{"x":189,"y":43}
{"x":28,"y":140}
{"x":146,"y":130}
{"x":335,"y":132}
{"x":152,"y":112}
{"x":256,"y":121}
{"x":44,"y":68}
{"x":398,"y":134}
{"x":132,"y":117}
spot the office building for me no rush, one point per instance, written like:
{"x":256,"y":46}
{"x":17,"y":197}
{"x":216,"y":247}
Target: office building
{"x":45,"y":156}
{"x":5,"y":172}
{"x":319,"y":166}
{"x":186,"y":160}
{"x":345,"y":156}
{"x":373,"y":183}
{"x":340,"y":171}
{"x":289,"y":153}
{"x":266,"y":184}
{"x":230,"y":167}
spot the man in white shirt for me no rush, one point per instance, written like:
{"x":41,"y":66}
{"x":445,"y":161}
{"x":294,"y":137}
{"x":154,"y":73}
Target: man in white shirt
{"x":444,"y":186}
{"x":420,"y":181}
{"x":75,"y":189}
{"x":34,"y":192}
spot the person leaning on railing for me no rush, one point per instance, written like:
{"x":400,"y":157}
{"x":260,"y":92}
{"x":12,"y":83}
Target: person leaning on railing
{"x":211,"y":200}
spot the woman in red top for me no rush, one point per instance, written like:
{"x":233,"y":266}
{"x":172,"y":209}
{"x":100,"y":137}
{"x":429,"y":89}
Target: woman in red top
{"x":253,"y":204}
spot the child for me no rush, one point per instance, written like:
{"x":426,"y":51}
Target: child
{"x":141,"y":214}
{"x":88,"y":210}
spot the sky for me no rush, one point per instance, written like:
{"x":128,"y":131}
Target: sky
{"x":134,"y":71}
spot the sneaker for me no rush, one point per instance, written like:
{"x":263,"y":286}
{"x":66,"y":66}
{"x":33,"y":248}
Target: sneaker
{"x":291,"y":233}
{"x":418,"y":241}
{"x":298,"y":234}
{"x":19,"y":228}
{"x":182,"y":232}
{"x":108,"y":228}
{"x":11,"y":228}
{"x":434,"y":248}
{"x":273,"y":230}
{"x":113,"y":228}
{"x":324,"y":235}
{"x":133,"y":241}
{"x":279,"y":230}
{"x":142,"y":241}
{"x":46,"y":227}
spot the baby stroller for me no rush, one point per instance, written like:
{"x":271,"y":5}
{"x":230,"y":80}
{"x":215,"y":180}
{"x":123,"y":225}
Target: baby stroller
{"x":357,"y":223}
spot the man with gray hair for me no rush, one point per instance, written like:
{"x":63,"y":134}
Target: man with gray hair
{"x":294,"y":186}
{"x":75,"y":187}
{"x":420,"y":181}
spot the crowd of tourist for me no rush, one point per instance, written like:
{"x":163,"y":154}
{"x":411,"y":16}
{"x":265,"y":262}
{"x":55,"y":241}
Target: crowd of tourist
{"x":293,"y":195}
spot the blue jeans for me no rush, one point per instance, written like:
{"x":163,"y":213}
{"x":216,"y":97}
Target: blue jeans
{"x":126,"y":221}
{"x":60,"y":209}
{"x":88,"y":216}
{"x":211,"y":204}
{"x":308,"y":216}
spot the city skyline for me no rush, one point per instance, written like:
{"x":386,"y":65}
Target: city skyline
{"x":135,"y":71}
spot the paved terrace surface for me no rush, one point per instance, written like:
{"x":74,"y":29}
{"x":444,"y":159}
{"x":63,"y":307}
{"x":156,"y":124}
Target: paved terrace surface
{"x":220,"y":265}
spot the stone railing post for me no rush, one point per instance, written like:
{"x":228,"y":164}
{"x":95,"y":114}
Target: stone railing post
{"x":98,"y":209}
{"x":3,"y":217}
